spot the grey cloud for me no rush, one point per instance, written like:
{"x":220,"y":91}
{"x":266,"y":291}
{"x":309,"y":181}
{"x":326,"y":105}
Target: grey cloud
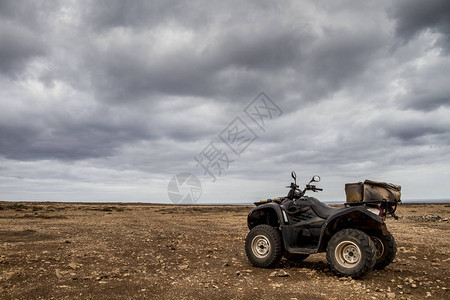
{"x":127,"y":69}
{"x":426,"y":86}
{"x":64,"y":141}
{"x":34,"y":15}
{"x":101,"y":131}
{"x":414,"y":130}
{"x":338,"y":60}
{"x":18,"y":46}
{"x":413,"y":17}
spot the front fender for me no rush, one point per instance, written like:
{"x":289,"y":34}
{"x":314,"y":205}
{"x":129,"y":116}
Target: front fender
{"x":353,"y":217}
{"x":269,"y":213}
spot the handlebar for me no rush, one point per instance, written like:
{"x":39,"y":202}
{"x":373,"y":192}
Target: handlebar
{"x":313,"y":188}
{"x":294,"y":188}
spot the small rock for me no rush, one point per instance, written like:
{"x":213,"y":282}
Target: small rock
{"x":58,"y":274}
{"x":226,"y":265}
{"x":408,"y":280}
{"x":390,"y":295}
{"x":73,"y":265}
{"x":414,"y":285}
{"x":282,"y":273}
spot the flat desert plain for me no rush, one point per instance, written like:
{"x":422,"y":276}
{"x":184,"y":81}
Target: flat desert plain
{"x":145,"y":251}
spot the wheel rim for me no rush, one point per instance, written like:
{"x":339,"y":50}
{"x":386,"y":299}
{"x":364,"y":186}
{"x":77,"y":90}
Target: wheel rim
{"x":378,"y":245}
{"x":347,"y":254}
{"x":260,"y":246}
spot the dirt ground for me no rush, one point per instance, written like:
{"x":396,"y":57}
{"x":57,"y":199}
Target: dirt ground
{"x":138,"y":251}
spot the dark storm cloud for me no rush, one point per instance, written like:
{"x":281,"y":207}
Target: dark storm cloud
{"x":230,"y":55}
{"x":120,"y":50}
{"x":414,"y":129}
{"x":339,"y":59}
{"x":104,"y":14}
{"x":65,"y":139}
{"x":18,"y":46}
{"x":222,"y":69}
{"x":23,"y":29}
{"x":99,"y":133}
{"x":415,"y":16}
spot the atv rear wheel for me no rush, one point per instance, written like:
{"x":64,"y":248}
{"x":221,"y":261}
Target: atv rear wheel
{"x":386,"y":250}
{"x":351,"y":252}
{"x":264,"y":246}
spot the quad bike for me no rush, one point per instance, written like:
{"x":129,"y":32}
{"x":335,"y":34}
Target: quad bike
{"x":354,"y":237}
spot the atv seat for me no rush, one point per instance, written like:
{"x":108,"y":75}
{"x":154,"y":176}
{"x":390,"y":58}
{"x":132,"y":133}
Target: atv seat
{"x":323,"y":210}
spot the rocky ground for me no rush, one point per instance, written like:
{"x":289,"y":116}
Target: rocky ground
{"x":110,"y":251}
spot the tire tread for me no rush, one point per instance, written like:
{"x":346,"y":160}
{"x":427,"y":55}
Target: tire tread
{"x":369,"y":255}
{"x":391,"y":248}
{"x":277,"y":249}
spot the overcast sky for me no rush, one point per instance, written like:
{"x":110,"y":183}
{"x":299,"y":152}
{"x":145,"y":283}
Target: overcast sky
{"x":108,"y":100}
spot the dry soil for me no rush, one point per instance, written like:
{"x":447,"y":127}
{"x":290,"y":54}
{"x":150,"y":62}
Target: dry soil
{"x":138,"y":251}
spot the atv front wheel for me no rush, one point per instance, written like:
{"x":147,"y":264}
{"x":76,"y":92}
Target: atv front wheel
{"x":264,"y":246}
{"x":386,"y":250}
{"x":351,"y":252}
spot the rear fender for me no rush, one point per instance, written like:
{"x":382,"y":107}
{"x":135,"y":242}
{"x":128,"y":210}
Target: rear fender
{"x":269,"y":213}
{"x":354,"y":217}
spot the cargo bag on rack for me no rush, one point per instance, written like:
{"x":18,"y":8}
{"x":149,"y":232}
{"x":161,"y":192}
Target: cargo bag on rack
{"x":354,"y":192}
{"x":372,"y":191}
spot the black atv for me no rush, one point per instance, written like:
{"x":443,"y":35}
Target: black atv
{"x":354,"y":237}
